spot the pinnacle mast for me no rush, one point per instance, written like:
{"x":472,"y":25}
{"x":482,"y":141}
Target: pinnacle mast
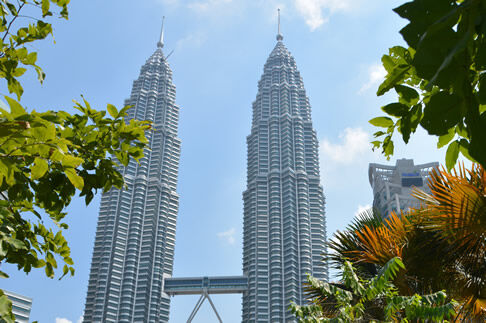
{"x":160,"y":44}
{"x":279,"y":35}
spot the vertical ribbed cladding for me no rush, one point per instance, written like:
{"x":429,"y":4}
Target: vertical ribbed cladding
{"x":135,"y":238}
{"x":284,"y":222}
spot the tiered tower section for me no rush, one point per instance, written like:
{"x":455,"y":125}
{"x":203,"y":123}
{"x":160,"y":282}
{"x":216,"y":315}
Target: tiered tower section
{"x":284,"y":223}
{"x":135,"y":237}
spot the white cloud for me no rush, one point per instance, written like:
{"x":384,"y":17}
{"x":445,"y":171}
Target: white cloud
{"x":376,"y":74}
{"x":228,"y":236}
{"x":355,"y":142}
{"x":317,"y":12}
{"x":314,"y":12}
{"x":63,"y":320}
{"x":193,"y":40}
{"x":361,"y":208}
{"x":208,"y":5}
{"x":169,"y":2}
{"x":311,"y":10}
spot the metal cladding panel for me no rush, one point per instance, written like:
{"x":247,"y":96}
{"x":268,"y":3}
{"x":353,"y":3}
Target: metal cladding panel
{"x":284,"y":228}
{"x":135,"y":237}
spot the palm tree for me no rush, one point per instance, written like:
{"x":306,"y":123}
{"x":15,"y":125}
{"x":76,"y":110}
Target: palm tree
{"x":456,"y":212}
{"x":442,"y":244}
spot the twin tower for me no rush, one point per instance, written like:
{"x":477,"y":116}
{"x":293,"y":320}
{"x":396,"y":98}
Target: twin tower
{"x":284,"y":226}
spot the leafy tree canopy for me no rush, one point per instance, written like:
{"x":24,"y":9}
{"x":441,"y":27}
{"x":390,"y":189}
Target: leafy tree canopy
{"x":440,"y":78}
{"x":47,"y":158}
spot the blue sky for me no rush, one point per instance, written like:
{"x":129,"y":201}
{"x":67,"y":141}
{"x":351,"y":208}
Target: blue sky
{"x":219,"y":48}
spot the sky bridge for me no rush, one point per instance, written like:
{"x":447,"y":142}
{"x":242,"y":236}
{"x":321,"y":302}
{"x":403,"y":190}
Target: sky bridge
{"x":205,"y":286}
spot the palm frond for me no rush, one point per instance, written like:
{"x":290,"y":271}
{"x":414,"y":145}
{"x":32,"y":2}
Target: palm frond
{"x":346,"y":241}
{"x":379,"y":245}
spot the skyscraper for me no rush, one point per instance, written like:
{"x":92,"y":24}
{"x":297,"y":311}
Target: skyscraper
{"x":135,"y":237}
{"x":284,"y":227}
{"x":393,"y":185}
{"x":21,"y":306}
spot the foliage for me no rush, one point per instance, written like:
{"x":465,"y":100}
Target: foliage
{"x":46,"y":158}
{"x":442,"y":244}
{"x":440,"y":78}
{"x":376,"y":299}
{"x":456,"y":212}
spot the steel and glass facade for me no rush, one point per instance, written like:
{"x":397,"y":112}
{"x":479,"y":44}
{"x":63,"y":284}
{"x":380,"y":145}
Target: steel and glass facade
{"x":284,"y":226}
{"x":135,"y":236}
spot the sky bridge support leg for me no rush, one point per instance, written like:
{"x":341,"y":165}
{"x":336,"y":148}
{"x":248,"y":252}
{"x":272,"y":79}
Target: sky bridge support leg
{"x":196,"y":308}
{"x":201,"y":300}
{"x":214,"y":308}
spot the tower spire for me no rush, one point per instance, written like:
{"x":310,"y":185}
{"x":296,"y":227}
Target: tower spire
{"x":279,"y":35}
{"x":160,"y":44}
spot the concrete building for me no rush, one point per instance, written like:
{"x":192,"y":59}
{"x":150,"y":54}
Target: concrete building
{"x":21,"y":306}
{"x":393,"y":185}
{"x":284,"y":226}
{"x":135,"y":236}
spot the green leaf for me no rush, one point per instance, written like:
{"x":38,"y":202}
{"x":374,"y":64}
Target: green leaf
{"x":477,"y":148}
{"x":16,"y":243}
{"x":45,"y":7}
{"x":123,"y":111}
{"x":12,"y":8}
{"x":393,"y":78}
{"x":30,"y":59}
{"x":15,"y":108}
{"x":482,"y":89}
{"x":388,"y":147}
{"x":71,"y":161}
{"x":39,"y":169}
{"x":460,"y":46}
{"x":6,"y":308}
{"x":112,"y":110}
{"x":396,"y":109}
{"x":441,"y":113}
{"x":405,"y":127}
{"x":415,"y":116}
{"x":14,"y":87}
{"x":49,"y":270}
{"x":445,"y":139}
{"x":464,"y":149}
{"x":407,"y":94}
{"x":19,"y":72}
{"x":388,"y":63}
{"x":383,"y":122}
{"x":74,"y":178}
{"x":452,"y":154}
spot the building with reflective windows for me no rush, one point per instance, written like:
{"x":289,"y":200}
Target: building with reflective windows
{"x":21,"y":306}
{"x":284,"y":226}
{"x":135,"y":236}
{"x":393,"y":185}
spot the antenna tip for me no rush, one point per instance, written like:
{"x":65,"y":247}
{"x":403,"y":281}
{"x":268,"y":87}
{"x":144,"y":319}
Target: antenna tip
{"x":279,"y":34}
{"x":160,"y":43}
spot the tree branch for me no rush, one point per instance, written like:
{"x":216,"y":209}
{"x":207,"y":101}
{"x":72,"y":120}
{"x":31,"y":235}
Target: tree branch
{"x":11,"y":22}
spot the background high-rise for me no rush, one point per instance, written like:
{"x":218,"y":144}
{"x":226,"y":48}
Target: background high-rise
{"x":393,"y":185}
